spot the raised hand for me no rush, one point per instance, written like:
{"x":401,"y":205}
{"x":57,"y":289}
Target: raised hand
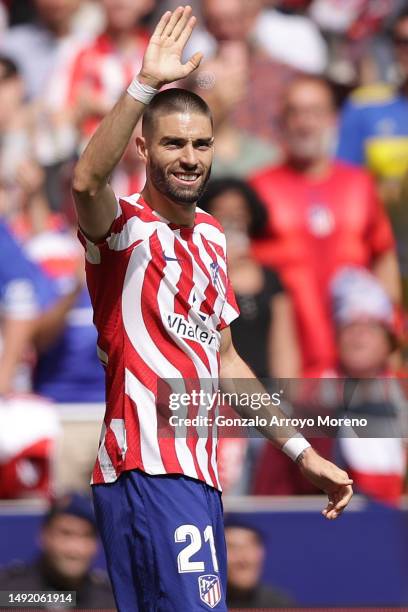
{"x":162,"y":59}
{"x":331,"y":479}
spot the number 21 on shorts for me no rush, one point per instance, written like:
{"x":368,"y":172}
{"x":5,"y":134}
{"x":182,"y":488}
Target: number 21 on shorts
{"x":191,"y":534}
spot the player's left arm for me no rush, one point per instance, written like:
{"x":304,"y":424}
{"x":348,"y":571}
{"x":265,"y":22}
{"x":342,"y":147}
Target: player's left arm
{"x":236,"y":377}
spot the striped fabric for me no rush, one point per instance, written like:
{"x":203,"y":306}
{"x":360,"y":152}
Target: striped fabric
{"x":161,"y":296}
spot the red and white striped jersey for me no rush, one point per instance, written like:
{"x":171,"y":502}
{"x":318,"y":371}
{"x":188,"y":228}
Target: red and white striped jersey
{"x":161,"y":297}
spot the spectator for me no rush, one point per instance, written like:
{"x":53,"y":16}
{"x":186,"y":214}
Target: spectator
{"x":323,"y":215}
{"x":265,"y":334}
{"x":374,"y":122}
{"x":16,"y":143}
{"x":68,"y":545}
{"x":238,"y":153}
{"x":362,"y":385}
{"x":246,"y":555}
{"x":24,"y":293}
{"x":374,"y":133}
{"x":66,"y":330}
{"x":43,"y":52}
{"x":232,"y":21}
{"x":37,"y":48}
{"x":104,"y":68}
{"x":366,"y":337}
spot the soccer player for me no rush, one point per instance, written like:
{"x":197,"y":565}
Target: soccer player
{"x":156,"y":270}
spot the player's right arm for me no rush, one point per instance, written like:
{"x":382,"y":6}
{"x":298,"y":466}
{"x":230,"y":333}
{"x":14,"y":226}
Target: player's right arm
{"x":95,"y":201}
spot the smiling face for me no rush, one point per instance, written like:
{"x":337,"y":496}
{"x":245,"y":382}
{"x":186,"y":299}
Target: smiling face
{"x":178,"y":152}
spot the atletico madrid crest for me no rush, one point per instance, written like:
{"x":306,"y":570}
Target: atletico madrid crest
{"x":210,"y":589}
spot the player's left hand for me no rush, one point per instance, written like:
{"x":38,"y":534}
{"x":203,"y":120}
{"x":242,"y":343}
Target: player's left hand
{"x":162,"y":59}
{"x":328,"y":477}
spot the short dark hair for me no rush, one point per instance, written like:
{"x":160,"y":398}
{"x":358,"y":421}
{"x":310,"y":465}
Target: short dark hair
{"x":8,"y":68}
{"x":257,"y":211}
{"x":174,"y":100}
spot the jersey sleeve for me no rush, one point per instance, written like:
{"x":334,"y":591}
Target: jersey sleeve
{"x":350,"y":146}
{"x":125,"y":232}
{"x":230,"y":310}
{"x":379,"y":232}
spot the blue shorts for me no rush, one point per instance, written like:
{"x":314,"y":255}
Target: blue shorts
{"x":164,"y":543}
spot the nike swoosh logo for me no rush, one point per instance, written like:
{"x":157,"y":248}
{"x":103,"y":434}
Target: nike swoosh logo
{"x":167,"y":258}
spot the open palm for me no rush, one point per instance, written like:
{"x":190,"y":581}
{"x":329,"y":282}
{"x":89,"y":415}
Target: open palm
{"x":162,"y":60}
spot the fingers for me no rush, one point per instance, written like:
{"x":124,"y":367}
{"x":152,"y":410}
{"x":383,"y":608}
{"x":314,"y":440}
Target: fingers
{"x":159,"y":29}
{"x":176,"y":16}
{"x":338,"y":502}
{"x":193,"y":63}
{"x":181,"y":24}
{"x":186,"y":33}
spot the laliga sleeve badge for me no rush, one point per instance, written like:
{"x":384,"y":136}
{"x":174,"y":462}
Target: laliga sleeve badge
{"x":210,"y":589}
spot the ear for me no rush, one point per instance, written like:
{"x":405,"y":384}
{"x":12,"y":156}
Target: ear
{"x":141,"y":148}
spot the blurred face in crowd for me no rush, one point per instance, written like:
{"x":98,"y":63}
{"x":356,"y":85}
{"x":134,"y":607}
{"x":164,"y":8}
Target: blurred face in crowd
{"x":245,"y":557}
{"x":400,"y":37}
{"x":69,"y":545}
{"x":125,"y":14}
{"x":364,"y":348}
{"x":310,"y":121}
{"x":230,"y":19}
{"x":11,"y":96}
{"x":231,"y":210}
{"x":178,"y":154}
{"x":56,"y":14}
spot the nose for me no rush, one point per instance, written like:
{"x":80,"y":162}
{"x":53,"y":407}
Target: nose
{"x":189,"y":157}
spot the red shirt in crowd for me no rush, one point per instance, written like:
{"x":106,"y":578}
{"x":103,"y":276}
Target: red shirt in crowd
{"x":104,"y":71}
{"x":316,"y":226}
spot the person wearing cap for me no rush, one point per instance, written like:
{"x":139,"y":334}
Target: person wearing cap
{"x":246,"y":555}
{"x":367,"y":334}
{"x":68,"y":545}
{"x":362,"y":384}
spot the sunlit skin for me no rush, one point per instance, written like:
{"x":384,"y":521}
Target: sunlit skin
{"x":180,"y":144}
{"x":69,"y":545}
{"x":245,"y":557}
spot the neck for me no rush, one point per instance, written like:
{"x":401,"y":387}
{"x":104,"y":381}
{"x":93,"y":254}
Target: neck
{"x":316,"y":168}
{"x":179,"y":214}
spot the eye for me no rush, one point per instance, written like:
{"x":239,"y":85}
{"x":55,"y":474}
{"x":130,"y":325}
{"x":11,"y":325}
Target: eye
{"x":203,"y":146}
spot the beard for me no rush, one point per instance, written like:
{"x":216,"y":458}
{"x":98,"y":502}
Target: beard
{"x":309,"y":147}
{"x":177,"y":193}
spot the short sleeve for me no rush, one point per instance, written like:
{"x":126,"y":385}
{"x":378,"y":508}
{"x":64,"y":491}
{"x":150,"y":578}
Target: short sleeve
{"x":379,"y":234}
{"x":230,"y":310}
{"x":24,"y":288}
{"x":126,"y":231}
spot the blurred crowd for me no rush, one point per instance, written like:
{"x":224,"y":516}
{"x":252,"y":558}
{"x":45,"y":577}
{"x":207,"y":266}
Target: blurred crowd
{"x":310,"y":105}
